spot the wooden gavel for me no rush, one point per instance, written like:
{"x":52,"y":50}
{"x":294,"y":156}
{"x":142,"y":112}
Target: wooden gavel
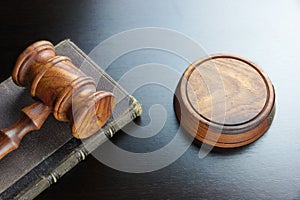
{"x":60,"y":88}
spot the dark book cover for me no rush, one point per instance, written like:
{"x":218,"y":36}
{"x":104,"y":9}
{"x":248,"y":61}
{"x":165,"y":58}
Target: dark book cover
{"x":46,"y":155}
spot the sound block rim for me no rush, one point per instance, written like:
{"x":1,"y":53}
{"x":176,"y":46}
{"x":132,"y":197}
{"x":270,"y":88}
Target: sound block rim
{"x":222,"y":135}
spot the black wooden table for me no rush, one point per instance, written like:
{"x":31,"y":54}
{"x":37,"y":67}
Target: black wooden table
{"x":266,"y":32}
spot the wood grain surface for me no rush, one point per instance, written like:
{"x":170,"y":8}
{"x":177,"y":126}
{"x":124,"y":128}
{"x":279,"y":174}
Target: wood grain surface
{"x":59,"y":87}
{"x":33,"y":117}
{"x":225,"y":101}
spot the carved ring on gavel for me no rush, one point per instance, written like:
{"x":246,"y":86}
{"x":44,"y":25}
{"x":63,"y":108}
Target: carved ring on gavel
{"x":60,"y":88}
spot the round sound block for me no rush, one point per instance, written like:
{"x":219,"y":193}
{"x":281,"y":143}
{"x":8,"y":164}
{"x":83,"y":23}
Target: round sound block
{"x":225,"y":101}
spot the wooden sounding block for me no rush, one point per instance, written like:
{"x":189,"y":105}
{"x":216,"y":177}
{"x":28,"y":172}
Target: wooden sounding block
{"x":59,"y":88}
{"x":225,"y":101}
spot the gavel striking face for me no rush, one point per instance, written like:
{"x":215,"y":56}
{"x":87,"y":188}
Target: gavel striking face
{"x":60,"y":88}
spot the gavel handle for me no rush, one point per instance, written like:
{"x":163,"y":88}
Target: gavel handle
{"x":32,"y":118}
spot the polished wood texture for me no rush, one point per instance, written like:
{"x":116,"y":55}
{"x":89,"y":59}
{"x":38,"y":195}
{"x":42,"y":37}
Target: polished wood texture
{"x":59,"y":87}
{"x":225,"y":101}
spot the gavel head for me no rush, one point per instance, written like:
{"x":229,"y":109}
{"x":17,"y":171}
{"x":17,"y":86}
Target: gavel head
{"x":56,"y":82}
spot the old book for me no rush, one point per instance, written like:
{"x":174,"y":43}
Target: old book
{"x":46,"y":155}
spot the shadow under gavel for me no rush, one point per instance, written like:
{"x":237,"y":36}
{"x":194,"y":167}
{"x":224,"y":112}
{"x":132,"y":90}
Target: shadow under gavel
{"x":60,"y":88}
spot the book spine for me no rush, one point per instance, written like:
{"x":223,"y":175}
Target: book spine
{"x":80,"y":153}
